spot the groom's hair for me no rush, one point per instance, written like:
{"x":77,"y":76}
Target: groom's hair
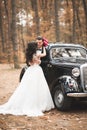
{"x":30,"y":50}
{"x":39,"y":38}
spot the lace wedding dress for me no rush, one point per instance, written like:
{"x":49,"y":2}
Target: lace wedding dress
{"x":32,"y":97}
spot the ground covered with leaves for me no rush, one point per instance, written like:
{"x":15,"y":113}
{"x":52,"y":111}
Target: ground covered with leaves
{"x":74,"y":119}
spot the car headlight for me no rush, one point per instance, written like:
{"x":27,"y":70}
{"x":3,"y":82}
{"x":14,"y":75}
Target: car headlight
{"x":76,"y":72}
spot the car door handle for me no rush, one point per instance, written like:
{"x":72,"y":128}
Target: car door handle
{"x":49,"y":65}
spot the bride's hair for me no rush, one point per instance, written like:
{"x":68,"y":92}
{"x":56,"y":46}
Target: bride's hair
{"x":30,"y":50}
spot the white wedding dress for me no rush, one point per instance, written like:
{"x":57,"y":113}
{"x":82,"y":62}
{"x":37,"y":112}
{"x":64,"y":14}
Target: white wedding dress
{"x":32,"y":97}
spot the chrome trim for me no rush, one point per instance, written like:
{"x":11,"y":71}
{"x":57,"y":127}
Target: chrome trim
{"x":82,"y":74}
{"x":77,"y":94}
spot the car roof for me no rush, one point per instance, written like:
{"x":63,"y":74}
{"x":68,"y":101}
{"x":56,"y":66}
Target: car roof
{"x":51,"y":44}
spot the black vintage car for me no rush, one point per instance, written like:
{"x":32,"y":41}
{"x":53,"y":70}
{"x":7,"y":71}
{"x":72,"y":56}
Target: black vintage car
{"x":65,"y":69}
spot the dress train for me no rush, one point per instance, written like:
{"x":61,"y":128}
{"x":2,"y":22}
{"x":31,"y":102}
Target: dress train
{"x":32,"y":97}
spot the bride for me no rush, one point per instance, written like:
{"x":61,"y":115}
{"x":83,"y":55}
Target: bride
{"x":32,"y":97}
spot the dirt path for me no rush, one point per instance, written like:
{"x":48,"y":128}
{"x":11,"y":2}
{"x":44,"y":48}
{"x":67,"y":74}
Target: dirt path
{"x":75,"y":119}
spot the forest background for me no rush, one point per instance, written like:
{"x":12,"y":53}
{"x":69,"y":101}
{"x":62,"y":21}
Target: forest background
{"x":21,"y":21}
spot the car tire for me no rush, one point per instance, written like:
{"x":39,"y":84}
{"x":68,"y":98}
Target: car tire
{"x":61,"y":101}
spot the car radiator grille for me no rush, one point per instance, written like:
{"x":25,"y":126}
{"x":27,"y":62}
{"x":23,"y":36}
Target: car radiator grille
{"x":84,"y":77}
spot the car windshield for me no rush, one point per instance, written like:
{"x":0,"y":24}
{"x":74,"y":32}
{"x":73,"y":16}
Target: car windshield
{"x":68,"y":52}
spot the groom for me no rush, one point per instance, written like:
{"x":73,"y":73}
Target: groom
{"x":42,"y":43}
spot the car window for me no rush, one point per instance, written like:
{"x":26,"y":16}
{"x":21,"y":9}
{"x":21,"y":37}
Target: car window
{"x":66,"y":52}
{"x":77,"y":53}
{"x":59,"y":52}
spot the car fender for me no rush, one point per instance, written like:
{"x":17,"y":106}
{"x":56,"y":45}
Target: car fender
{"x":67,"y":83}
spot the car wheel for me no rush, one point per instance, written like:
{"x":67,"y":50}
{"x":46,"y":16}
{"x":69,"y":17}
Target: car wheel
{"x":61,"y":101}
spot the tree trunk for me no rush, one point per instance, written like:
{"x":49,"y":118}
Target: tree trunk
{"x":34,"y":4}
{"x":1,"y":28}
{"x":79,"y":23}
{"x":85,"y":11}
{"x":56,"y":22}
{"x":8,"y":41}
{"x":14,"y":34}
{"x":74,"y":22}
{"x":37,"y":18}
